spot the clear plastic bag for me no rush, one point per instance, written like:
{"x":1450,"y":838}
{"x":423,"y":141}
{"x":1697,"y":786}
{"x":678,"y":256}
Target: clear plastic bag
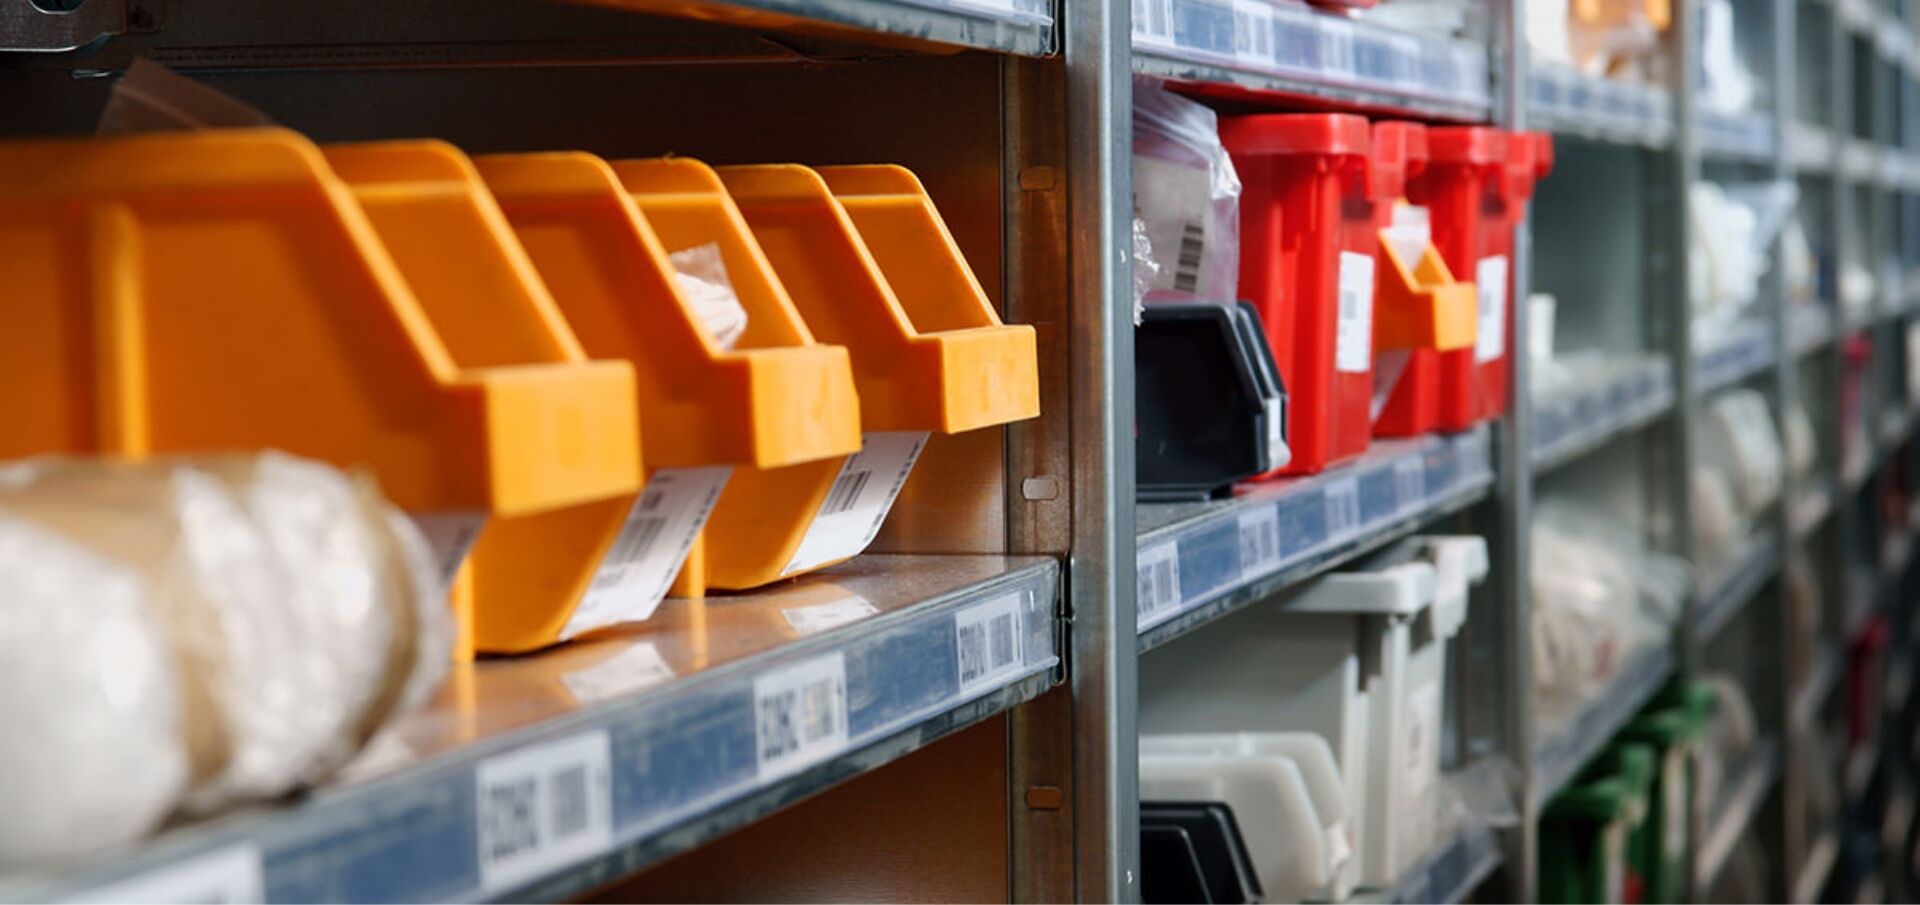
{"x":1599,"y":595}
{"x":1187,"y":196}
{"x":1732,"y":229}
{"x":236,"y":626}
{"x":702,"y":275}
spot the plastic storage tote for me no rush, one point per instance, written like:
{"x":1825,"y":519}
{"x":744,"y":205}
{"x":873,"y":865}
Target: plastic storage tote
{"x":778,"y":409}
{"x":1209,"y":408}
{"x":1308,"y":241}
{"x":1357,"y":659}
{"x":1671,"y":727}
{"x":1585,"y":855}
{"x":218,"y":290}
{"x":1285,"y":793}
{"x":1419,"y":309}
{"x":1193,"y":852}
{"x":479,"y":288}
{"x":870,"y":265}
{"x":1475,"y":187}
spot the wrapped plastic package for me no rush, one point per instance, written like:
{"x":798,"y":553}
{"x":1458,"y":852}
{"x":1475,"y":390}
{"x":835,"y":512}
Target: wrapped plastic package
{"x":179,"y":634}
{"x":1732,"y":228}
{"x":1187,"y":196}
{"x":1598,"y":594}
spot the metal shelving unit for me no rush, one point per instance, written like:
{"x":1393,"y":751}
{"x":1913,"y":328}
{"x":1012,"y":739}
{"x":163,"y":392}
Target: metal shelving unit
{"x":666,"y":722}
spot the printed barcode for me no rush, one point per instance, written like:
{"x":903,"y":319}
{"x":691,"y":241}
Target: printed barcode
{"x":569,"y":814}
{"x":1353,"y":332}
{"x":1159,"y":580}
{"x":986,"y":639}
{"x":1343,"y":508}
{"x":800,"y":714}
{"x":630,"y":547}
{"x":543,"y":807}
{"x":845,"y":492}
{"x":1410,"y":478}
{"x":1186,"y":269}
{"x":1150,"y":17}
{"x":507,"y":823}
{"x":1259,"y":540}
{"x":985,"y":647}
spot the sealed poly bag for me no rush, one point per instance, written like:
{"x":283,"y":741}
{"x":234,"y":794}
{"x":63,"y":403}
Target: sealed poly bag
{"x":1187,"y":196}
{"x":232,"y":627}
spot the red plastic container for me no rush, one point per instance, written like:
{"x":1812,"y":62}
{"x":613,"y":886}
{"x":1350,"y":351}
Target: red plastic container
{"x":1413,"y":406}
{"x":1308,"y":235}
{"x":1475,"y":186}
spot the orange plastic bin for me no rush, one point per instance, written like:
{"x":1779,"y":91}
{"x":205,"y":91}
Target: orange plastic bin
{"x":479,"y":287}
{"x":778,"y":409}
{"x":871,"y":265}
{"x":223,"y":290}
{"x":1308,"y":240}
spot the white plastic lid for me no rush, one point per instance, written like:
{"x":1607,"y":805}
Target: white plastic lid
{"x":1402,"y":589}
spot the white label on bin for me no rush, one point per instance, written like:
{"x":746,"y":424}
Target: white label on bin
{"x":1259,"y":540}
{"x":1353,"y":332}
{"x":1343,"y":508}
{"x":1613,"y":861}
{"x":1173,"y":197}
{"x":1673,"y":794}
{"x":986,"y":642}
{"x":224,"y":875}
{"x":1421,"y":749}
{"x":450,"y":533}
{"x":800,"y":715}
{"x":1490,"y":340}
{"x":1278,"y":454}
{"x":1159,"y":581}
{"x":640,"y":564}
{"x":812,"y":620}
{"x":542,"y":808}
{"x":635,"y":669}
{"x":857,"y":504}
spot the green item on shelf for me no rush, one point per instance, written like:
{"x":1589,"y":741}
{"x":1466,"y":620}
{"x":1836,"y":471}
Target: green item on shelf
{"x":1672,"y":726}
{"x":1585,"y":831}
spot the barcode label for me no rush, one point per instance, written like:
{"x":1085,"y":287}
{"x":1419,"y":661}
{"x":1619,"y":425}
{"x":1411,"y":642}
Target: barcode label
{"x":800,"y":715}
{"x":630,"y":671}
{"x":1343,"y":508}
{"x":846,"y":492}
{"x":1353,"y":334}
{"x":986,"y":640}
{"x":812,"y":620}
{"x":1259,"y":540}
{"x":640,"y":565}
{"x":225,"y":875}
{"x":1490,"y":276}
{"x":542,"y":808}
{"x":450,"y":535}
{"x":1410,"y":482}
{"x":1153,"y":19}
{"x":1186,"y":268}
{"x":1159,"y":581}
{"x":1253,"y":31}
{"x":856,"y":505}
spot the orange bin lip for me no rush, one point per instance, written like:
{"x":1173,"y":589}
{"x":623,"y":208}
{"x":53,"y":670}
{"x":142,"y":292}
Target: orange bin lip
{"x":777,"y":399}
{"x":870,"y":264}
{"x":227,"y":291}
{"x":525,"y":576}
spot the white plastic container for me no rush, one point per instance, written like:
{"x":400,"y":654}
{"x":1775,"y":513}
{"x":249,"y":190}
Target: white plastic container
{"x":1286,"y":795}
{"x":1359,"y":659}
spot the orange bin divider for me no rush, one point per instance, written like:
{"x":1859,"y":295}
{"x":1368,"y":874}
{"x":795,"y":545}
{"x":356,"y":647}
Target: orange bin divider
{"x":875,"y":269}
{"x":779,"y":406}
{"x":223,"y":290}
{"x":526,"y":574}
{"x":1421,"y":306}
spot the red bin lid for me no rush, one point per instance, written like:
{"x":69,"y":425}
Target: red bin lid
{"x":1399,"y":155}
{"x":1330,"y":134}
{"x":1467,"y":145}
